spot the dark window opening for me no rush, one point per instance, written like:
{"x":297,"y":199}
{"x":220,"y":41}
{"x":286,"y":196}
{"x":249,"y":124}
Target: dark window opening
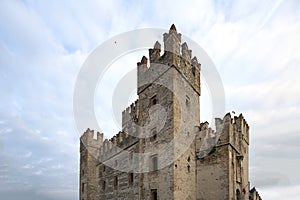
{"x":130,"y":178}
{"x":116,"y":183}
{"x":238,"y":195}
{"x":154,"y":194}
{"x":153,"y":100}
{"x":82,"y":187}
{"x":103,"y":185}
{"x":189,"y":168}
{"x":103,"y":168}
{"x":154,"y":135}
{"x":189,"y":159}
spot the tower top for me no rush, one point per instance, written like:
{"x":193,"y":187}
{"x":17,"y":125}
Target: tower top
{"x":173,"y":29}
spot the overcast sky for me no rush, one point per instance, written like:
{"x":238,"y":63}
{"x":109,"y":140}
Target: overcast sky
{"x":43,"y":44}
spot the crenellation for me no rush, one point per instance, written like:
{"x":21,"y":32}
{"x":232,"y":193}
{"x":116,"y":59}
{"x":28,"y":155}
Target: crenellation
{"x":130,"y":116}
{"x":154,"y":54}
{"x":185,"y":52}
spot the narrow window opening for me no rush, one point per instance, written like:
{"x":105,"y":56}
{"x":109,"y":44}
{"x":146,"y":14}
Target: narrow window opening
{"x":153,"y":135}
{"x":82,"y":187}
{"x":189,"y":168}
{"x":154,"y":194}
{"x":116,"y":183}
{"x":130,"y":178}
{"x":103,"y":185}
{"x":154,"y":163}
{"x":153,"y":100}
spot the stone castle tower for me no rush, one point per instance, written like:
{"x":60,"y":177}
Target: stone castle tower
{"x":163,"y":152}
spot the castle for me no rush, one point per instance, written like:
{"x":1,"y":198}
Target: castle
{"x":163,"y":151}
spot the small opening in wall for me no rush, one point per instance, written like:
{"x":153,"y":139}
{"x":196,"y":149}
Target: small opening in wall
{"x":189,"y":168}
{"x":130,"y":178}
{"x":153,"y":100}
{"x":175,"y":165}
{"x":154,"y":135}
{"x":103,"y":185}
{"x":154,"y":163}
{"x":82,"y":187}
{"x":189,"y":159}
{"x":103,"y":168}
{"x":154,"y":194}
{"x":116,"y":183}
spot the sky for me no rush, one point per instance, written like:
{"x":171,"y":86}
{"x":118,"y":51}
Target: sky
{"x":43,"y":45}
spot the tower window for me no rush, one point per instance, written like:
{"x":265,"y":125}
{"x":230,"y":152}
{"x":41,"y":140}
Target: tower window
{"x":153,"y":100}
{"x":130,"y":178}
{"x":82,"y":187}
{"x":154,"y":160}
{"x":103,"y":168}
{"x":116,"y":183}
{"x":103,"y":185}
{"x":154,"y":194}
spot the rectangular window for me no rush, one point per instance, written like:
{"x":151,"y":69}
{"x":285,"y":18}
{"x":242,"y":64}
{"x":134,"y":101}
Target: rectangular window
{"x":154,"y":160}
{"x":103,"y":186}
{"x":130,"y":178}
{"x":116,"y":183}
{"x":153,"y":101}
{"x":154,"y":194}
{"x":82,"y":187}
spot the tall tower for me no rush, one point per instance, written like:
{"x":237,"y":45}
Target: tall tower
{"x":168,"y":110}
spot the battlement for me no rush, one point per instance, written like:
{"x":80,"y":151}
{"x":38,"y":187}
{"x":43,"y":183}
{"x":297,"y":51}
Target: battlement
{"x":228,"y":131}
{"x":116,"y":144}
{"x":130,"y":116}
{"x":175,"y":55}
{"x":234,"y":128}
{"x":89,"y":140}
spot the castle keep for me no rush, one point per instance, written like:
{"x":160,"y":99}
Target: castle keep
{"x":163,"y":151}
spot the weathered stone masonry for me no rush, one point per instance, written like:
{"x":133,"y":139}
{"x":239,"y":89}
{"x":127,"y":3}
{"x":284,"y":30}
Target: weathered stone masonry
{"x":214,"y":163}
